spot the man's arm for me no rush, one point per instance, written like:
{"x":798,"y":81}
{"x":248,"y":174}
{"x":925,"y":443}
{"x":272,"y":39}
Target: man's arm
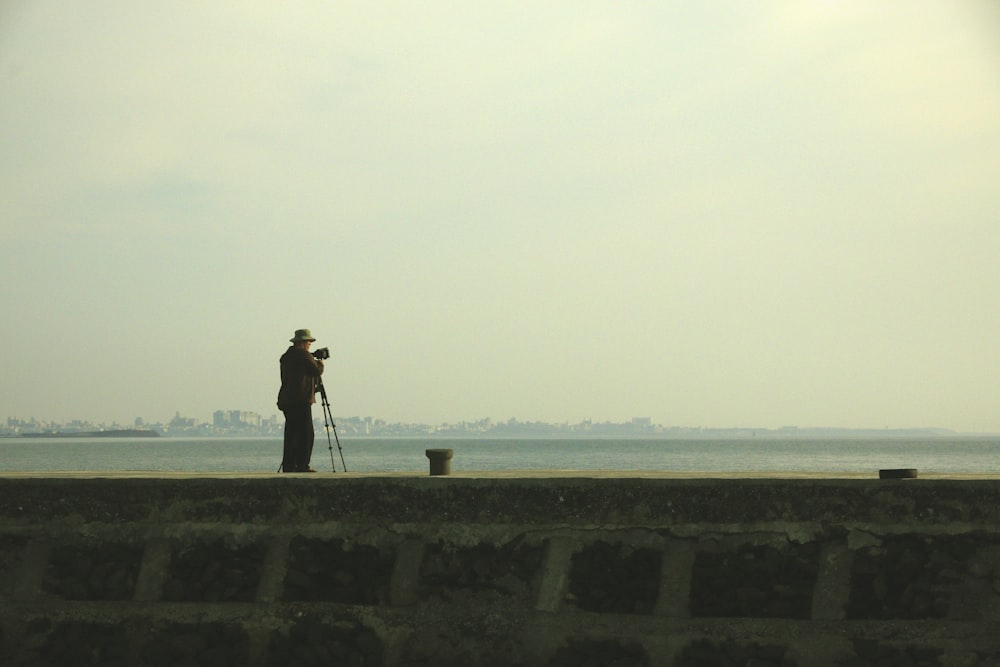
{"x":311,"y":366}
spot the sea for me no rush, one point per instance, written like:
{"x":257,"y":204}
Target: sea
{"x":965,"y":454}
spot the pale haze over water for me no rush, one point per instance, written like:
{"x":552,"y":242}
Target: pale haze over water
{"x":709,"y":214}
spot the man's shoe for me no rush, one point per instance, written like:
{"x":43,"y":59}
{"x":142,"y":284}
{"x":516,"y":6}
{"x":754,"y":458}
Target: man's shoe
{"x":308,"y":469}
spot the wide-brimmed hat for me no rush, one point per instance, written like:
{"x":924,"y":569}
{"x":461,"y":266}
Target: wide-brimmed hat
{"x":301,"y":335}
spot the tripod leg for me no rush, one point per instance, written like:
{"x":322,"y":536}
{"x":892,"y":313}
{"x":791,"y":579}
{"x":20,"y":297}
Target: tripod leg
{"x":327,"y":422}
{"x":339,"y":448}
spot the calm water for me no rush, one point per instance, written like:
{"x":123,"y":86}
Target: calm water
{"x":941,"y":455}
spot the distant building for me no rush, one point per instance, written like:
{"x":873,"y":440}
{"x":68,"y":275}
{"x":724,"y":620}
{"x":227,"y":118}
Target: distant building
{"x":236,"y":419}
{"x":179,"y":422}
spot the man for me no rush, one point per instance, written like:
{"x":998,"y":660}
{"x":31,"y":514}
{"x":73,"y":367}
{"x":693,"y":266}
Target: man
{"x":300,"y":373}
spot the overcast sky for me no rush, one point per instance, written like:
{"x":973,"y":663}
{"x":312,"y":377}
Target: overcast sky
{"x":707,"y":213}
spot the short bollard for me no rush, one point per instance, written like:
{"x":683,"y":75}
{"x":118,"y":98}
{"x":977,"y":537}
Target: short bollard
{"x":897,"y":473}
{"x":440,"y":461}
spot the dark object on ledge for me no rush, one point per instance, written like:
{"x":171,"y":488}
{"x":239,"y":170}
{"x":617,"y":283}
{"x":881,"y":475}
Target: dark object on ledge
{"x":897,"y":473}
{"x":440,"y":460}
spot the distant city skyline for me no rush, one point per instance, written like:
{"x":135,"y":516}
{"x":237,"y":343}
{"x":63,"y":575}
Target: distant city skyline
{"x":236,"y":422}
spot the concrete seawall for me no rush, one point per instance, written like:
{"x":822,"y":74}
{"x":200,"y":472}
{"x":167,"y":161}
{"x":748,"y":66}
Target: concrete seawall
{"x":498,"y":570}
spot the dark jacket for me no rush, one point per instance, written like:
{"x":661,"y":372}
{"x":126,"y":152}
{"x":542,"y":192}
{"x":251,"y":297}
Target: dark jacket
{"x":300,"y":373}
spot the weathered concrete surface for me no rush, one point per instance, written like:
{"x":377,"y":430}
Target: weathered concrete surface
{"x":647,"y":502}
{"x":542,"y":568}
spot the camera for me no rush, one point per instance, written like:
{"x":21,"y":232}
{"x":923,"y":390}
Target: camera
{"x":321,"y":353}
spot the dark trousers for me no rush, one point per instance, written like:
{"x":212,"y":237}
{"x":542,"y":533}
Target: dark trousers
{"x":298,"y":438}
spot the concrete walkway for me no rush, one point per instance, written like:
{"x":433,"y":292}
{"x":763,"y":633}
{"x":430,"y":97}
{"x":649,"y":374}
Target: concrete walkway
{"x":491,"y":474}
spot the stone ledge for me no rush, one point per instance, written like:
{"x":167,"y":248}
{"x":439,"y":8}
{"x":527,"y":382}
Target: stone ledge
{"x":648,"y":502}
{"x":487,"y":570}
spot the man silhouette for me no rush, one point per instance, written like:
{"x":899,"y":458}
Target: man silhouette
{"x":300,"y":373}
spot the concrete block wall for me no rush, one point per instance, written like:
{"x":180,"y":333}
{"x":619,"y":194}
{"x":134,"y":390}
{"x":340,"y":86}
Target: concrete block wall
{"x":399,"y":571}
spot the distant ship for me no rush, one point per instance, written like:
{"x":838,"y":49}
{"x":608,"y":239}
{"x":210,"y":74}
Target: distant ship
{"x":116,"y":433}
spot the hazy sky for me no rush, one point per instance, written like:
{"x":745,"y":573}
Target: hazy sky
{"x":707,"y":213}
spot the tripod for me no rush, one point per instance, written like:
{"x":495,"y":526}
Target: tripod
{"x":328,"y":424}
